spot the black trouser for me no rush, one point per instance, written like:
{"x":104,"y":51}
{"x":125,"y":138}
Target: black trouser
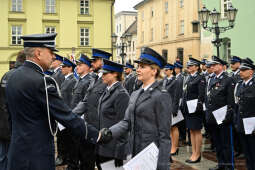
{"x":102,"y":159}
{"x":87,"y":156}
{"x":237,"y":143}
{"x":248,"y":142}
{"x":223,"y":138}
{"x":182,"y":130}
{"x":61,"y":148}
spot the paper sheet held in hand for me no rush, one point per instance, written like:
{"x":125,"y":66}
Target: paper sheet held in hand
{"x":192,"y":105}
{"x":146,"y":159}
{"x":249,"y":125}
{"x":178,"y":118}
{"x":220,"y":114}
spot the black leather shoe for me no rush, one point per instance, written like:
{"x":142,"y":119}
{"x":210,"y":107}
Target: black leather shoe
{"x":175,"y":153}
{"x":193,"y":162}
{"x":217,"y":168}
{"x":171,"y":160}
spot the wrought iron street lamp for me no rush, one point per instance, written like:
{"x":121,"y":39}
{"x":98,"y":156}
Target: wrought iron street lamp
{"x":205,"y":14}
{"x":125,"y":42}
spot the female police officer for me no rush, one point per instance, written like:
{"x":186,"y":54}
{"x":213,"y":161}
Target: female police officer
{"x":194,"y":88}
{"x":148,"y":112}
{"x":111,"y":109}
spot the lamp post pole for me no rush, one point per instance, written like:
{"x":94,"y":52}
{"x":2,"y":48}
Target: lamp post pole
{"x":205,"y":14}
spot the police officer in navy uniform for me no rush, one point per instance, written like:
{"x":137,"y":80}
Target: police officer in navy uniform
{"x":203,"y":67}
{"x":220,"y":93}
{"x":55,"y":68}
{"x":148,"y":114}
{"x":89,"y":106}
{"x":245,"y":98}
{"x":130,"y":78}
{"x":194,"y":88}
{"x":80,"y":89}
{"x":111,"y":109}
{"x":34,"y":104}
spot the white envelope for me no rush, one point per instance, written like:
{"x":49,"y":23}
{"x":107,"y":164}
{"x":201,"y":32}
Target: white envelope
{"x":220,"y":114}
{"x":249,"y":125}
{"x":178,"y":118}
{"x":192,"y":105}
{"x":147,"y":159}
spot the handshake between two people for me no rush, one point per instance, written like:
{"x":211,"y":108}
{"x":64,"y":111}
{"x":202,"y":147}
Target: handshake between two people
{"x":105,"y":136}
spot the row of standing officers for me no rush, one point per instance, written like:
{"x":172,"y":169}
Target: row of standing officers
{"x":130,"y":115}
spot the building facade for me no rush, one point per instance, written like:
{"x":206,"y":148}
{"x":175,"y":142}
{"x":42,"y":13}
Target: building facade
{"x":80,"y":24}
{"x":169,"y":27}
{"x":240,"y":40}
{"x":123,"y":20}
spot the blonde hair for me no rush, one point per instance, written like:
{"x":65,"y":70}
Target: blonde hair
{"x":159,"y":74}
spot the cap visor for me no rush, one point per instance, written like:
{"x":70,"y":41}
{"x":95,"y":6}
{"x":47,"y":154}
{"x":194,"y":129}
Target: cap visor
{"x":104,"y":71}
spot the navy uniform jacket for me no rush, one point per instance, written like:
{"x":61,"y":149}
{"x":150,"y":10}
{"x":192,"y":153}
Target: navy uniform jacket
{"x":58,"y":76}
{"x":194,"y":88}
{"x":89,"y":105}
{"x":245,"y":99}
{"x":178,"y":93}
{"x":80,"y":89}
{"x":111,"y":109}
{"x":236,"y":77}
{"x":129,"y":83}
{"x":32,"y":144}
{"x":220,"y":93}
{"x":148,"y":119}
{"x":67,"y":89}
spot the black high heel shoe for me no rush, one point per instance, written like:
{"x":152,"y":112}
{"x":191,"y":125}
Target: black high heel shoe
{"x":171,"y":160}
{"x":192,"y":162}
{"x":175,"y":153}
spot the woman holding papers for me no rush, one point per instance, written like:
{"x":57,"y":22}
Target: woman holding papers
{"x":148,"y":114}
{"x":193,"y":98}
{"x":245,"y":98}
{"x":111,"y":109}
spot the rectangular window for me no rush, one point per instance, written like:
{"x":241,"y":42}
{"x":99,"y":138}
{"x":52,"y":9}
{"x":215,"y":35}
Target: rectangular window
{"x":16,"y":33}
{"x":166,"y":30}
{"x":142,"y":16}
{"x":195,"y":27}
{"x":165,"y":54}
{"x":50,"y":6}
{"x":181,"y":3}
{"x":17,"y":5}
{"x":180,"y":55}
{"x":84,"y":7}
{"x":152,"y":34}
{"x":166,"y":7}
{"x":133,"y":46}
{"x":152,"y":12}
{"x":182,"y":27}
{"x":225,"y":4}
{"x":84,"y":37}
{"x":50,"y":30}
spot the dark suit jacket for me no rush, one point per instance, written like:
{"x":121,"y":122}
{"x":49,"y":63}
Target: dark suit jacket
{"x":32,"y":145}
{"x":58,"y":76}
{"x":67,"y":89}
{"x":129,"y":83}
{"x":148,"y":119}
{"x":111,"y":109}
{"x":178,"y":93}
{"x":80,"y":89}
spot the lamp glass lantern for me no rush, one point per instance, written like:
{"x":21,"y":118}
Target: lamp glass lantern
{"x":231,"y":14}
{"x":215,"y":16}
{"x":204,"y":15}
{"x":114,"y":38}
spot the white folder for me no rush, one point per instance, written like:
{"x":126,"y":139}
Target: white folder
{"x":220,"y":114}
{"x":178,"y":118}
{"x":249,"y":125}
{"x":192,"y":105}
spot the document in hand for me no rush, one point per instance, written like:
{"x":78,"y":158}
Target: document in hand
{"x":220,"y":114}
{"x":249,"y":125}
{"x":192,"y":105}
{"x":178,"y":118}
{"x":146,"y":160}
{"x":110,"y":166}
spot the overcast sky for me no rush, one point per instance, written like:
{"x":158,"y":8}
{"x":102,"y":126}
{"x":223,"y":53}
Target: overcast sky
{"x":125,"y":5}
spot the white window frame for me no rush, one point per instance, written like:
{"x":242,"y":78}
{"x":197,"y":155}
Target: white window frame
{"x":50,"y":29}
{"x":50,"y":6}
{"x":84,"y":7}
{"x":181,"y":3}
{"x":225,"y":4}
{"x":17,"y":5}
{"x":182,"y":27}
{"x":166,"y":7}
{"x":84,"y":36}
{"x":16,"y":32}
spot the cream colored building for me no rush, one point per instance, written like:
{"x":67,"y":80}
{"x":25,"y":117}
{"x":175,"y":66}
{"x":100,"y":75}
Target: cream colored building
{"x":80,"y":24}
{"x":170,"y":27}
{"x":123,"y":21}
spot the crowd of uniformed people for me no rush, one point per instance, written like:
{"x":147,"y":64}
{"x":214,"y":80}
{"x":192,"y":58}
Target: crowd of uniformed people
{"x":97,"y":115}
